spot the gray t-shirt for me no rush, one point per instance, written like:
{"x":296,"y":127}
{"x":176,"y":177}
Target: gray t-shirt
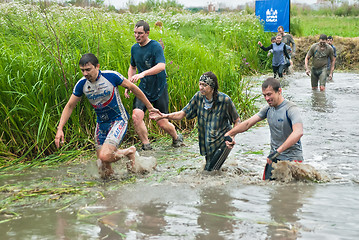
{"x":280,"y":120}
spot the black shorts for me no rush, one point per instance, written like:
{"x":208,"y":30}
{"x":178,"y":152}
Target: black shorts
{"x":161,"y":103}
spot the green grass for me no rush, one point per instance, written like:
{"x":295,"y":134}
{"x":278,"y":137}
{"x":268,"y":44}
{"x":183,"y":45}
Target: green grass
{"x":330,"y":25}
{"x":40,"y":49}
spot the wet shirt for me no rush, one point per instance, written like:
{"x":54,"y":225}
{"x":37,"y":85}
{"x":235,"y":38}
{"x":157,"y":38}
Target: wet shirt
{"x":104,"y":96}
{"x":320,"y":56}
{"x":288,"y":40}
{"x":145,"y":58}
{"x":280,"y":120}
{"x":213,"y":123}
{"x":279,"y":51}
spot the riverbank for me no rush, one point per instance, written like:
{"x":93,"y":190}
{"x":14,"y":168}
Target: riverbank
{"x":347,"y":52}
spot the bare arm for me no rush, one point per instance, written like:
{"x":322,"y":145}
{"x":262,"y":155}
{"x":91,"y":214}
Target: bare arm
{"x":138,"y":93}
{"x":159,"y":67}
{"x":236,"y":123}
{"x":332,"y":66}
{"x":306,"y":61}
{"x":293,"y":137}
{"x":243,"y":126}
{"x":170,"y":116}
{"x":131,"y":71}
{"x":66,"y":113}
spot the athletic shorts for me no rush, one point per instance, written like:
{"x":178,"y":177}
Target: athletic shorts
{"x":318,"y":75}
{"x":110,"y":132}
{"x":161,"y":103}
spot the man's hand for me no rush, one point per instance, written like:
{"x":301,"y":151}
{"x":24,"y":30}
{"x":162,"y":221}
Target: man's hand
{"x":229,"y":141}
{"x":156,"y":115}
{"x":136,"y":77}
{"x":330,"y":77}
{"x":127,"y":93}
{"x":59,"y":138}
{"x":272,"y":157}
{"x":307,"y":71}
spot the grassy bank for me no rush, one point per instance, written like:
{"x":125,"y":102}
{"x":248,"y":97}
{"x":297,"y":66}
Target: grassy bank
{"x":40,"y":49}
{"x":311,"y":25}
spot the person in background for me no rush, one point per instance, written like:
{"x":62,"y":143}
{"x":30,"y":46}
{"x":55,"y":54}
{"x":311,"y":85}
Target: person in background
{"x":272,"y":40}
{"x":320,"y":52}
{"x":285,"y":125}
{"x":330,"y":42}
{"x":288,"y":40}
{"x":101,"y":89}
{"x":215,"y":114}
{"x":279,"y":54}
{"x":148,"y":59}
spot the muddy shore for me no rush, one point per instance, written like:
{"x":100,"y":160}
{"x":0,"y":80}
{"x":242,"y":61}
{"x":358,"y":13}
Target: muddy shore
{"x":347,"y":52}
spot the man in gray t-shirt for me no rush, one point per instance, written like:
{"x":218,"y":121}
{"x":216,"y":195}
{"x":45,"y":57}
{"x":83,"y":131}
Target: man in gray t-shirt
{"x":285,"y":124}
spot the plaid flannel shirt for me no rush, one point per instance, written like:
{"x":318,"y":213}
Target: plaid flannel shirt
{"x":213,"y":123}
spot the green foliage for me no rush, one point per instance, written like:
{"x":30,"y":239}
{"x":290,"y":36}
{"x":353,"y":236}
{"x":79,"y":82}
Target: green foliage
{"x":333,"y":25}
{"x":40,"y":49}
{"x":344,"y":9}
{"x":296,"y":28}
{"x":154,"y":5}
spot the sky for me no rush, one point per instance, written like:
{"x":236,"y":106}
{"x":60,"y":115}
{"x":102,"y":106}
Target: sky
{"x":197,"y":3}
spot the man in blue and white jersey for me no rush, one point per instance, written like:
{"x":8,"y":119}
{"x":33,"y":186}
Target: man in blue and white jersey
{"x":285,"y":124}
{"x":101,"y":89}
{"x":148,"y":59}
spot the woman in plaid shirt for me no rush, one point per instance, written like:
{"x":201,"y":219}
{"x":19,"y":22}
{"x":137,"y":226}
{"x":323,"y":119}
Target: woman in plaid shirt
{"x":215,"y":114}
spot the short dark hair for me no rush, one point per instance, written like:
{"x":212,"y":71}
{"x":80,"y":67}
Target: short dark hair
{"x":323,"y":37}
{"x":272,"y":38}
{"x":145,"y":25}
{"x":274,"y":83}
{"x":330,"y":37}
{"x":88,"y":58}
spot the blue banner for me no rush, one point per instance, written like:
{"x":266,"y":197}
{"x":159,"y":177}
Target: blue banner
{"x":274,"y":13}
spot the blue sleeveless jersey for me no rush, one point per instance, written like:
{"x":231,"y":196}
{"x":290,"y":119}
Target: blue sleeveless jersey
{"x":104,"y":96}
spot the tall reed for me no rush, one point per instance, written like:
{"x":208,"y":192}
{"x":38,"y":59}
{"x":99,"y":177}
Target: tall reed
{"x":40,"y":49}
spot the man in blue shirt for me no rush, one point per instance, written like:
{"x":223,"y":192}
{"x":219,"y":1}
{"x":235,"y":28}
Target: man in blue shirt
{"x":148,"y":59}
{"x":101,"y":89}
{"x":330,"y":43}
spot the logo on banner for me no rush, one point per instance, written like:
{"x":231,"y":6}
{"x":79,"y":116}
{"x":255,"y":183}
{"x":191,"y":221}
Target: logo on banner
{"x":271,"y":15}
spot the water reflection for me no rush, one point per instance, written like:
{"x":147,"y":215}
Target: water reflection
{"x":215,"y":213}
{"x":285,"y":204}
{"x":146,"y":220}
{"x":320,"y":102}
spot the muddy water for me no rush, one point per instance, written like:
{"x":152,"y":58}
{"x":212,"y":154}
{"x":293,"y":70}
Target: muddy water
{"x":178,"y":201}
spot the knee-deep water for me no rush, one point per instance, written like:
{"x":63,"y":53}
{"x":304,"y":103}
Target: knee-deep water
{"x":178,"y":201}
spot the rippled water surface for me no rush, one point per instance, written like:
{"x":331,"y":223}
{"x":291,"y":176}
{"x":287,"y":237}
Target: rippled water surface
{"x":177,"y":201}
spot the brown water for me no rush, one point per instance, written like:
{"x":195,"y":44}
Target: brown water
{"x":177,"y":201}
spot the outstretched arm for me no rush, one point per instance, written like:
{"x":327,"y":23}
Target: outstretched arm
{"x":170,"y":116}
{"x":138,"y":93}
{"x":66,"y":113}
{"x":242,"y":127}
